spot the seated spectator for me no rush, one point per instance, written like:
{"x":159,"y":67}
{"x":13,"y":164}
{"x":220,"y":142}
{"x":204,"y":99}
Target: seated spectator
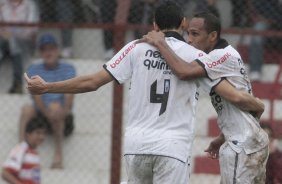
{"x":19,"y":167}
{"x":274,"y":163}
{"x":268,"y":14}
{"x":55,"y":109}
{"x":62,"y":11}
{"x":14,"y":41}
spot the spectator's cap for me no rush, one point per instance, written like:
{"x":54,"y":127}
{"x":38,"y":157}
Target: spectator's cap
{"x":47,"y":39}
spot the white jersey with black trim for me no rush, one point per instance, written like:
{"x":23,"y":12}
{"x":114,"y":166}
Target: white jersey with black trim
{"x":240,"y":128}
{"x":161,"y":107}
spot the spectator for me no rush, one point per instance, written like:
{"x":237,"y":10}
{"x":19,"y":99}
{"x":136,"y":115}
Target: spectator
{"x":274,"y":163}
{"x":65,"y":13}
{"x":207,"y":6}
{"x":15,"y":40}
{"x":108,"y":11}
{"x":268,"y":15}
{"x":240,"y":13}
{"x":62,"y":11}
{"x":141,"y":12}
{"x":54,"y":109}
{"x":19,"y":168}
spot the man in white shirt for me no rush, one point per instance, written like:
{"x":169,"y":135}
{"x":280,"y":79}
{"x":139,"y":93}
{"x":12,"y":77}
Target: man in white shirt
{"x":244,"y":152}
{"x":17,"y":41}
{"x":160,"y":128}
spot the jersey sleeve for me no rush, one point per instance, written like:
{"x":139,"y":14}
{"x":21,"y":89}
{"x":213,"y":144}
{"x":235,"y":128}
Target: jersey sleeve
{"x":216,"y":64}
{"x":14,"y":160}
{"x":208,"y":85}
{"x":121,"y":65}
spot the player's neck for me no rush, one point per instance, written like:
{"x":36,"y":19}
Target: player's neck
{"x":173,"y":30}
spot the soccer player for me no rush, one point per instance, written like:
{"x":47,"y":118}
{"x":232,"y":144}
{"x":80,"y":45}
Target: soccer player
{"x":23,"y":164}
{"x":243,"y":144}
{"x":160,"y":128}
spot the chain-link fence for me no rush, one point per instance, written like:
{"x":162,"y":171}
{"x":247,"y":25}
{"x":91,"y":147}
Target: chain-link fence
{"x":89,"y":32}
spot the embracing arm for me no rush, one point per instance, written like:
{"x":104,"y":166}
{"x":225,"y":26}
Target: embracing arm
{"x":180,"y":68}
{"x":81,"y":84}
{"x":241,"y":99}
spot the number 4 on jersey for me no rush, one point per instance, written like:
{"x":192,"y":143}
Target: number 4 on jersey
{"x":160,"y":98}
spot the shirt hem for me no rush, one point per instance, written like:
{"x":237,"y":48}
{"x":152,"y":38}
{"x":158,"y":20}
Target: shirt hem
{"x":159,"y":154}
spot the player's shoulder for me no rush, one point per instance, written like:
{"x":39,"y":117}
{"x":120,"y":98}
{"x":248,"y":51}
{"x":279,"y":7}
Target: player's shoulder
{"x":175,"y":43}
{"x":233,"y":51}
{"x":131,"y":47}
{"x":189,"y":51}
{"x":226,"y":51}
{"x":140,"y":46}
{"x":223,"y":53}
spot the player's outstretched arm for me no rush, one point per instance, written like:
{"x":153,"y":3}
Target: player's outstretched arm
{"x":241,"y":99}
{"x":179,"y":67}
{"x":81,"y":84}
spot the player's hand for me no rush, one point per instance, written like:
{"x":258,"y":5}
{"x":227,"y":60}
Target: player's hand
{"x":36,"y":85}
{"x":259,"y":113}
{"x":153,"y":38}
{"x":213,"y":149}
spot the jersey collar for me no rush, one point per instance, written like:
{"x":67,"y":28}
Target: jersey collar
{"x":221,"y":43}
{"x":174,"y":34}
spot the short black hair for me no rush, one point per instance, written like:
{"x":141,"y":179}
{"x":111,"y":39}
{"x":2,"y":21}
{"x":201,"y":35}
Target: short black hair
{"x":34,"y":124}
{"x":168,"y":15}
{"x":211,"y":22}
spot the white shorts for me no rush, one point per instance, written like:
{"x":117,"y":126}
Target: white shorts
{"x":151,"y":169}
{"x":240,"y":168}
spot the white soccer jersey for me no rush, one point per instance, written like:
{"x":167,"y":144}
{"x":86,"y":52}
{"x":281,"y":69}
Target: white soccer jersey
{"x":162,"y":107}
{"x":240,"y":128}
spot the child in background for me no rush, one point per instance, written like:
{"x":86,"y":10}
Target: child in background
{"x":23,"y":163}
